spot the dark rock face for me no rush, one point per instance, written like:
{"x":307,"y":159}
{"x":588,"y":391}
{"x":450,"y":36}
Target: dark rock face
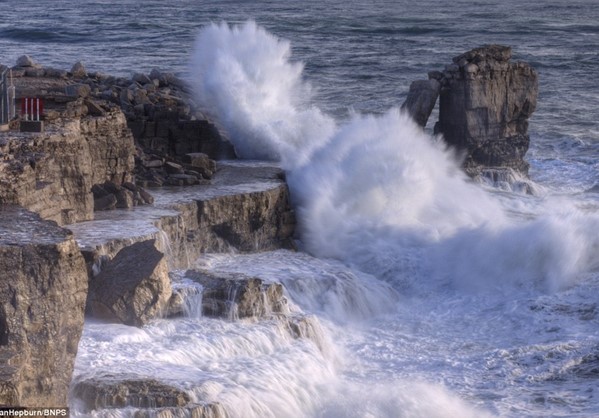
{"x":43,"y":286}
{"x":236,"y":296}
{"x":133,"y":287}
{"x":110,"y":196}
{"x":485,"y":104}
{"x":421,"y":99}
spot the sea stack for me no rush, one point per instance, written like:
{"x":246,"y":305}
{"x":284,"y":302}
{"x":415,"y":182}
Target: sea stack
{"x":485,"y":103}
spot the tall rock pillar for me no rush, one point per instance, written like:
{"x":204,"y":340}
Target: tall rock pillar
{"x":485,"y":103}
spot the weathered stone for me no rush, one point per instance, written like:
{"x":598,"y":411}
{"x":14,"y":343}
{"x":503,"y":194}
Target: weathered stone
{"x":153,"y":164}
{"x":124,"y":199}
{"x":200,"y":160}
{"x":35,"y":72}
{"x":126,"y":96}
{"x":484,"y":109}
{"x":78,"y":90}
{"x":107,"y":202}
{"x":55,"y":73}
{"x":421,"y":100}
{"x":132,"y":288}
{"x":25,"y":61}
{"x":173,"y":168}
{"x":94,"y":109}
{"x":235,"y":296}
{"x":43,"y":285}
{"x":182,"y":180}
{"x":209,"y":410}
{"x":56,"y":171}
{"x":245,"y":209}
{"x":122,"y":391}
{"x":78,"y":70}
{"x":141,"y":78}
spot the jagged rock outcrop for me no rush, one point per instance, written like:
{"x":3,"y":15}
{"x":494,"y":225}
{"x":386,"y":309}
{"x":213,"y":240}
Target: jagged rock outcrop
{"x":162,"y":116}
{"x":421,"y":99}
{"x":43,"y":286}
{"x":133,"y":287}
{"x":236,"y":296}
{"x":119,"y":392}
{"x":485,"y":104}
{"x":153,"y":170}
{"x":149,"y":397}
{"x":110,"y":196}
{"x":246,"y":208}
{"x":53,"y":173}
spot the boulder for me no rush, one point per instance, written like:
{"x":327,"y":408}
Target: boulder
{"x":236,"y":296}
{"x":485,"y":104}
{"x":43,"y":286}
{"x":78,"y":70}
{"x":78,"y":90}
{"x":25,"y":61}
{"x":110,"y":195}
{"x":201,"y":162}
{"x":133,"y":287}
{"x":106,"y":202}
{"x":421,"y":99}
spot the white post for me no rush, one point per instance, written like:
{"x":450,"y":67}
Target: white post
{"x":12,"y":100}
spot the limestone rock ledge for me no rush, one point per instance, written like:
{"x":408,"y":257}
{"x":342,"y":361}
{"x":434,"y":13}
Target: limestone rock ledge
{"x":246,"y":208}
{"x":150,"y":397}
{"x":52,"y":173}
{"x":43,"y":287}
{"x":235,"y":296}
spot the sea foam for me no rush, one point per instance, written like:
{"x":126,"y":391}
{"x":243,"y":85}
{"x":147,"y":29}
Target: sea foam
{"x":377,"y":191}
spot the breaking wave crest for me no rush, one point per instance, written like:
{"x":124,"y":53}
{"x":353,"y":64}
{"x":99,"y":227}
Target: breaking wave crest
{"x":377,"y":191}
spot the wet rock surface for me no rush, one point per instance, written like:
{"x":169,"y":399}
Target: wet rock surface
{"x":133,"y":287}
{"x":119,"y":392}
{"x":236,"y":296}
{"x":485,"y":103}
{"x":43,"y":286}
{"x":149,"y":398}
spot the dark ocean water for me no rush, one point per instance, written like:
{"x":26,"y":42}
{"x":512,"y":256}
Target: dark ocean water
{"x":446,"y":299}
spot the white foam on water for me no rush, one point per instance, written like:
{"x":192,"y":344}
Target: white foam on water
{"x":436,"y":297}
{"x":243,"y":76}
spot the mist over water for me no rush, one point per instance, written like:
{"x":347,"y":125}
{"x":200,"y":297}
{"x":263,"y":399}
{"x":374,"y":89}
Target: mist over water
{"x":243,"y":76}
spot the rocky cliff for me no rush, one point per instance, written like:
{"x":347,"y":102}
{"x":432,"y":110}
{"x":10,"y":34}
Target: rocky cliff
{"x":246,"y":208}
{"x":43,"y":287}
{"x":84,"y":156}
{"x":52,"y":173}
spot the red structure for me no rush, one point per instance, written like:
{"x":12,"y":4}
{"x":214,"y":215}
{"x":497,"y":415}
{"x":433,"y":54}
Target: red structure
{"x":32,"y":109}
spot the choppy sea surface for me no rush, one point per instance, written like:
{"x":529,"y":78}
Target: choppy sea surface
{"x":435,"y":296}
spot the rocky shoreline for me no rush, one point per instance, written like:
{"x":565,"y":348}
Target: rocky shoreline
{"x":109,"y":144}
